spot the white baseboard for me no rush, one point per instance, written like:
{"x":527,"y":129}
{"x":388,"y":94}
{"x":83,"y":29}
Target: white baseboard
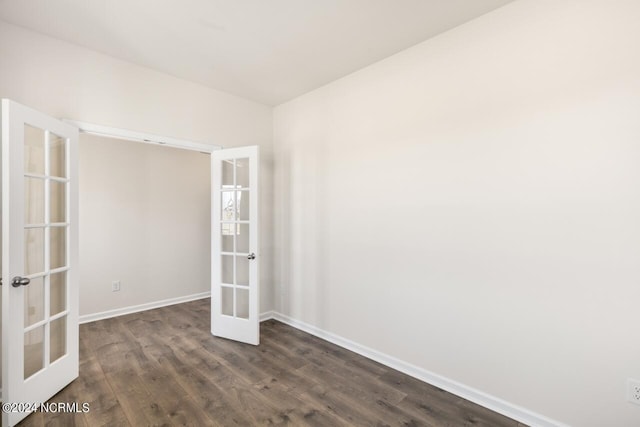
{"x":86,"y":318}
{"x":267,"y":315}
{"x":481,"y":398}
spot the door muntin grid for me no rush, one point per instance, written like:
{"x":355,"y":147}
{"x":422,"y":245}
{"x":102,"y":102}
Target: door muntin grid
{"x":234,"y":238}
{"x":46,"y":254}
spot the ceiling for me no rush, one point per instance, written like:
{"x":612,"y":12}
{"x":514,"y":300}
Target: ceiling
{"x":268,"y":51}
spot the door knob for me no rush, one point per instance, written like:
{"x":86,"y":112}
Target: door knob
{"x":251,"y":256}
{"x":20,"y":281}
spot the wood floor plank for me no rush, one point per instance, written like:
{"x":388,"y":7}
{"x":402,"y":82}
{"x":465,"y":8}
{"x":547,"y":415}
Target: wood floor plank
{"x":288,"y":354}
{"x":163,"y":367}
{"x":259,"y":409}
{"x":369,"y":388}
{"x":298,"y":410}
{"x":178,"y":404}
{"x":302,"y":348}
{"x":93,"y":388}
{"x":208,"y":394}
{"x":63,"y":418}
{"x":135,"y":400}
{"x":339,"y":406}
{"x":36,"y":419}
{"x":199,"y":376}
{"x":232,"y":357}
{"x":185,"y":358}
{"x":436,"y":405}
{"x":376,"y":404}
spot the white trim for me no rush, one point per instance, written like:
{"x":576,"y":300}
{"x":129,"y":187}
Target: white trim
{"x":267,"y":315}
{"x":481,"y":398}
{"x":146,"y":138}
{"x":86,"y":318}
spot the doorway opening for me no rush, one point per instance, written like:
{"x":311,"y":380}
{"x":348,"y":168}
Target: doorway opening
{"x":145,"y":226}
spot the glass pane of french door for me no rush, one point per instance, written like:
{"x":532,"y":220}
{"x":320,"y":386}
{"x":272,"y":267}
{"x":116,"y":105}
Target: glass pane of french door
{"x":234,"y":232}
{"x":46,"y":255}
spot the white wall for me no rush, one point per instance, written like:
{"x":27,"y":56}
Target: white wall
{"x":471,"y":206}
{"x":67,"y":81}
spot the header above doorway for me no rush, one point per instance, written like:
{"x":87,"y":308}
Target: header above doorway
{"x":146,"y":138}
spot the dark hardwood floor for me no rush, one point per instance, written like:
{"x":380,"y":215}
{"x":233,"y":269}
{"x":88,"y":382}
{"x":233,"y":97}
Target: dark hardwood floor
{"x":163,"y":367}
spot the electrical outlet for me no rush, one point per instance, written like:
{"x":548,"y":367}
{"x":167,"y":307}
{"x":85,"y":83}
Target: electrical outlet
{"x":115,"y":286}
{"x":633,"y":391}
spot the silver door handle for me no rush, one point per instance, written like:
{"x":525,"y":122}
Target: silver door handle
{"x":251,"y":256}
{"x":20,"y":281}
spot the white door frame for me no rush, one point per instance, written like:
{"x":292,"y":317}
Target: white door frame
{"x":146,"y":138}
{"x":223,"y":324}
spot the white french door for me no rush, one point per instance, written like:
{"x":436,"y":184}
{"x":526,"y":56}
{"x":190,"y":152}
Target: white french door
{"x":39,"y":256}
{"x":235,"y":311}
